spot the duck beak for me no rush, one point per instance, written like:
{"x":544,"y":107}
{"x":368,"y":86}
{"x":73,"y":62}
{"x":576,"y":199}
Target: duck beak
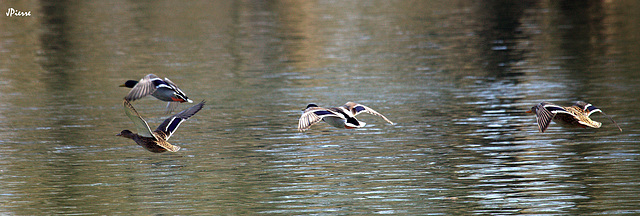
{"x":122,"y":85}
{"x":119,"y":134}
{"x":529,"y":111}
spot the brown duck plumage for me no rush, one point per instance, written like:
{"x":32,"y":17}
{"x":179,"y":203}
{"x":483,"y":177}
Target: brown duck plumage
{"x":156,"y":141}
{"x":572,"y":116}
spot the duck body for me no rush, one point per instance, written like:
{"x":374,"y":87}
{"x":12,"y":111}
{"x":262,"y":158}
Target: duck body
{"x":340,"y":117}
{"x":343,"y":120}
{"x":149,"y":143}
{"x":577,"y":115}
{"x":170,"y":95}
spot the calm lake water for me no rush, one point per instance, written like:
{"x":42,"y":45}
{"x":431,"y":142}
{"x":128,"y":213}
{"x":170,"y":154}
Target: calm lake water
{"x":456,"y":77}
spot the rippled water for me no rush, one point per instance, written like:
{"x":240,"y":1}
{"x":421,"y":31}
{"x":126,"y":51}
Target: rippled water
{"x":456,"y":77}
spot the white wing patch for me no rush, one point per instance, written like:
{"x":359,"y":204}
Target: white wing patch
{"x":172,"y":126}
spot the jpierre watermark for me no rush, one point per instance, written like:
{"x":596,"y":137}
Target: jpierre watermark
{"x":14,"y":12}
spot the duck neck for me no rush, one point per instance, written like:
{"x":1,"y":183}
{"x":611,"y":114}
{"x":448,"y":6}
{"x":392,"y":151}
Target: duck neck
{"x":130,"y":136}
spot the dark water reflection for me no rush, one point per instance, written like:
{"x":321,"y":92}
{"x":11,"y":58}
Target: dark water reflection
{"x":456,"y":76}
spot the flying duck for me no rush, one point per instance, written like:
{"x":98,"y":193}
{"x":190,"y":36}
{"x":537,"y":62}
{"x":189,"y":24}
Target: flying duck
{"x":572,"y":116}
{"x":156,"y":141}
{"x":340,"y":117}
{"x":163,"y":90}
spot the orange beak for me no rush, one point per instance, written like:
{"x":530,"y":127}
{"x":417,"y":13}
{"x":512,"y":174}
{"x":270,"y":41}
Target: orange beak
{"x":528,"y":111}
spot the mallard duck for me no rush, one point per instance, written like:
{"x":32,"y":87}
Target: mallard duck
{"x":163,"y":90}
{"x":156,"y":141}
{"x":341,"y":117}
{"x":573,"y":116}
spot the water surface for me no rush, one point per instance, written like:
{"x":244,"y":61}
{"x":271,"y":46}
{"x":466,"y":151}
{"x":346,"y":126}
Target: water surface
{"x":456,"y":77}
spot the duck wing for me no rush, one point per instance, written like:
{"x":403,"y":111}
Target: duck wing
{"x":171,"y":106}
{"x":357,"y":108}
{"x":179,"y":91}
{"x":171,"y":124}
{"x":175,"y":92}
{"x":313,"y":115}
{"x":168,"y":146}
{"x":141,"y":125}
{"x":146,"y":86}
{"x":545,"y":112}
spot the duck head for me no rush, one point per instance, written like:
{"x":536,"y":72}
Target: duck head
{"x":126,"y":133}
{"x":310,"y":105}
{"x":532,"y":110}
{"x":129,"y":84}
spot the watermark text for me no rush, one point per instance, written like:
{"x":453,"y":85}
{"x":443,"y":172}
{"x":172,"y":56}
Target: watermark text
{"x":14,"y":12}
